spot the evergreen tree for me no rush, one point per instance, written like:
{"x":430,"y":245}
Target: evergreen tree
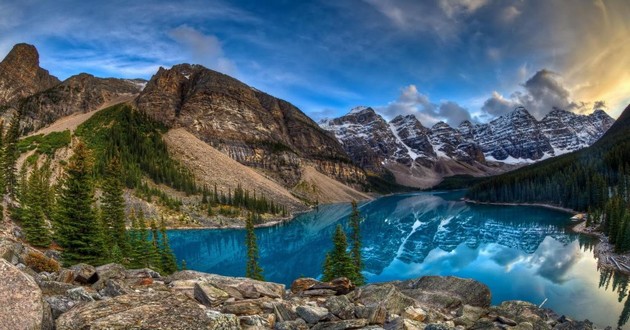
{"x":79,"y":233}
{"x":355,"y":241}
{"x":338,"y":261}
{"x":253,"y":269}
{"x":10,"y":155}
{"x":113,"y":208}
{"x":33,"y":207}
{"x":169,"y":263}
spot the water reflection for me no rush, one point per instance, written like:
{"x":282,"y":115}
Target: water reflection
{"x":522,"y":253}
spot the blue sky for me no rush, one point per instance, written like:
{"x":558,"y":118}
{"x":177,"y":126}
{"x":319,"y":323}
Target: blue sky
{"x":439,"y":60}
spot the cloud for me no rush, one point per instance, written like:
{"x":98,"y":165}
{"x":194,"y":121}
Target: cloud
{"x":541,"y":93}
{"x":412,"y":102}
{"x":204,"y":49}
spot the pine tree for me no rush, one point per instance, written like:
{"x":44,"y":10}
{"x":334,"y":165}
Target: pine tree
{"x":169,"y":262}
{"x":33,"y":207}
{"x":253,"y":269}
{"x":355,"y":241}
{"x":338,"y":261}
{"x":79,"y":232}
{"x":113,"y":208}
{"x":10,"y":155}
{"x":155,"y":256}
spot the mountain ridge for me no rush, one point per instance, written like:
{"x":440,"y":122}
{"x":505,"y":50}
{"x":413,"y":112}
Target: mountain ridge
{"x":506,"y":142}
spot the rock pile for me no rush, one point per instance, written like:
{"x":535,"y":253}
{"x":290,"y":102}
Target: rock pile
{"x":112,"y":297}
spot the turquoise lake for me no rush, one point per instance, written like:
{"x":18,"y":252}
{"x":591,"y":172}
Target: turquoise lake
{"x":520,"y":252}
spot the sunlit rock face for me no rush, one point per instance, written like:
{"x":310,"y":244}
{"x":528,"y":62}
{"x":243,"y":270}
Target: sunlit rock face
{"x":250,"y":126}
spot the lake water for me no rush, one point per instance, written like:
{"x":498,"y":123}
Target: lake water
{"x":523,"y":253}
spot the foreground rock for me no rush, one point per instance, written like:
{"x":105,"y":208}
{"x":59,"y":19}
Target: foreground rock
{"x":112,"y":297}
{"x":153,"y":310}
{"x":21,"y":302}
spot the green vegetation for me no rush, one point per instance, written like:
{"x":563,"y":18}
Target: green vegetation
{"x":385,"y":184}
{"x":78,"y":229}
{"x":595,"y":179}
{"x":45,"y":144}
{"x":35,"y":196}
{"x":10,"y":156}
{"x":113,"y":210}
{"x":253,"y":269}
{"x":234,"y":203}
{"x":338,"y":262}
{"x":355,"y":241}
{"x":137,"y":141}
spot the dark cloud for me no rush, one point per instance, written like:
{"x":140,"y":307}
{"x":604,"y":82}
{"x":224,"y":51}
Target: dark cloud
{"x":541,"y":93}
{"x":599,"y":105}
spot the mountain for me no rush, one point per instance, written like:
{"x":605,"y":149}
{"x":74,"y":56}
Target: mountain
{"x":21,"y":75}
{"x":580,"y":180}
{"x":420,"y":156}
{"x":252,"y":127}
{"x":77,"y":94}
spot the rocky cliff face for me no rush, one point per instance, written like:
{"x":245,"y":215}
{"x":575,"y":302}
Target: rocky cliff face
{"x":21,"y":76}
{"x":77,"y":94}
{"x":252,"y":127}
{"x":409,"y":149}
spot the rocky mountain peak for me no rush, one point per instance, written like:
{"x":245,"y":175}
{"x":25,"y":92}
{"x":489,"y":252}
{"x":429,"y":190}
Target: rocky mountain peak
{"x":21,"y":76}
{"x":24,"y":57}
{"x":250,"y":126}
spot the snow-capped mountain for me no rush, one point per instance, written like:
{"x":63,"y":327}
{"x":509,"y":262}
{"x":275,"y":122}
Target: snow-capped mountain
{"x":410,"y":150}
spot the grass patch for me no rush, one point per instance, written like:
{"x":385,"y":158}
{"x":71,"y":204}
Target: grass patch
{"x":45,"y":144}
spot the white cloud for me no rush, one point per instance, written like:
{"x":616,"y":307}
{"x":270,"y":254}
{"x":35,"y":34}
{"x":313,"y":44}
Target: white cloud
{"x":412,"y":102}
{"x":203,"y":49}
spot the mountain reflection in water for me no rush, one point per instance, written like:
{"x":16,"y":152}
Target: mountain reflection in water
{"x":520,"y":252}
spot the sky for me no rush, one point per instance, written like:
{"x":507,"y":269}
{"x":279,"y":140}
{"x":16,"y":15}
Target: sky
{"x":441,"y":60}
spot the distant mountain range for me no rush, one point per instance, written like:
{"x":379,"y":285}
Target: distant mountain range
{"x":284,"y":145}
{"x":420,"y":156}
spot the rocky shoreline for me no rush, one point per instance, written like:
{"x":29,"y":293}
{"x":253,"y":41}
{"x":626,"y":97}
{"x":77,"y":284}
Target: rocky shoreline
{"x":112,"y":297}
{"x":605,"y":253}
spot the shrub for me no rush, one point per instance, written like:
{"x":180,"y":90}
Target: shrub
{"x":40,"y":263}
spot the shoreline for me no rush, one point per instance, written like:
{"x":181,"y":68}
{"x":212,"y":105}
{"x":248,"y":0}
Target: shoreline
{"x":547,"y":206}
{"x":604,"y":252}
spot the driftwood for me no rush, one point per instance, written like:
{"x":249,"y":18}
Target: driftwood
{"x":615,"y":261}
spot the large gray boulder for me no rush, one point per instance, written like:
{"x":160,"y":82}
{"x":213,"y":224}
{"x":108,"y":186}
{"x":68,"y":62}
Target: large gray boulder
{"x":446,"y":292}
{"x":148,"y":310}
{"x":236,"y":287}
{"x":21,"y":303}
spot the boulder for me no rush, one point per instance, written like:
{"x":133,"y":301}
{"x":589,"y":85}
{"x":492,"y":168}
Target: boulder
{"x":11,"y":251}
{"x":387,"y":294}
{"x":313,"y":287}
{"x":303,"y":284}
{"x":147,"y":310}
{"x":141,"y":273}
{"x":237,"y":287}
{"x":284,"y":312}
{"x":51,"y":288}
{"x":447,"y":292}
{"x":60,"y":304}
{"x":109,"y":272}
{"x":113,"y":288}
{"x":415,"y":313}
{"x":375,"y":314}
{"x":21,"y":303}
{"x":298,"y":324}
{"x":340,"y":306}
{"x":84,"y":274}
{"x":244,"y":307}
{"x":467,"y":315}
{"x":209,"y":295}
{"x":186,"y":287}
{"x":341,"y":325}
{"x":65,"y":276}
{"x":79,"y":294}
{"x":257,"y":321}
{"x":312,"y":314}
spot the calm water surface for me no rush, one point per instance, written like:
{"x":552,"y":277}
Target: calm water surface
{"x":524,"y":253}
